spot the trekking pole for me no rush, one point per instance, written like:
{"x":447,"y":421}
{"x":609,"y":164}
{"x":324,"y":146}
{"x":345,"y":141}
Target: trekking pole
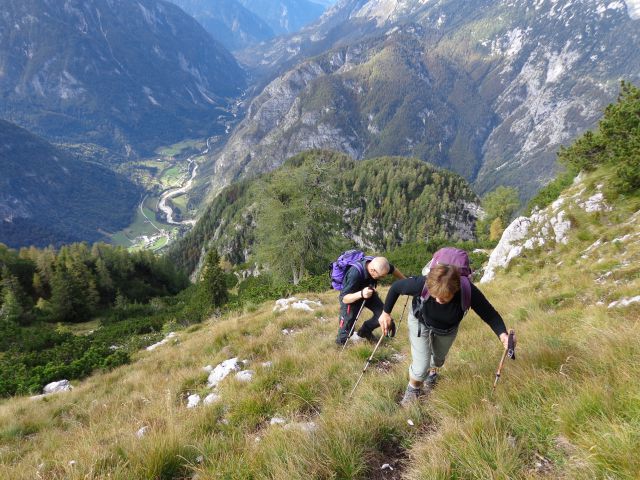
{"x":509,"y":351}
{"x":354,"y":325}
{"x":366,"y":365}
{"x":403,"y":309}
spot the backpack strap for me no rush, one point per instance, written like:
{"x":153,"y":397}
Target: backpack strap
{"x":359,"y":265}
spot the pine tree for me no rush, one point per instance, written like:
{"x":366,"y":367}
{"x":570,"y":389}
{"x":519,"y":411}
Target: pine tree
{"x":212,"y":283}
{"x":294,"y":221}
{"x":11,"y":309}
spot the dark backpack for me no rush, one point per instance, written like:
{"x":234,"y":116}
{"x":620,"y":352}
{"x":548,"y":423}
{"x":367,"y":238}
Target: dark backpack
{"x":350,"y":258}
{"x":458,"y":258}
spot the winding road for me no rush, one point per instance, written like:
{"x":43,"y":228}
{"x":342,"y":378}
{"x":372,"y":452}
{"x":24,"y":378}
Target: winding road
{"x":162,"y":204}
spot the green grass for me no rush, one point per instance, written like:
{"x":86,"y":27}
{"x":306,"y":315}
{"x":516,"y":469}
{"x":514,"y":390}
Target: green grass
{"x":177,"y":148}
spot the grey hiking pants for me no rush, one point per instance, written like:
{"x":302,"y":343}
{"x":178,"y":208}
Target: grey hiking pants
{"x":428,"y":350}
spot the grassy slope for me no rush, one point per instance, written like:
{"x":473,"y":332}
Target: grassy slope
{"x":568,"y":407}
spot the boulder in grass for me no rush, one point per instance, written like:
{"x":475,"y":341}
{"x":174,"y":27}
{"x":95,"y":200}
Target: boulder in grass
{"x":222,"y":370}
{"x":193,"y":400}
{"x":292,"y":302}
{"x":277,"y":421}
{"x":169,"y":336}
{"x":245,"y":375}
{"x":56,"y":387}
{"x":211,"y":398}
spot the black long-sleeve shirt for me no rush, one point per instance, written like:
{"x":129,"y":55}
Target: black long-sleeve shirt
{"x":354,"y":281}
{"x":448,"y":315}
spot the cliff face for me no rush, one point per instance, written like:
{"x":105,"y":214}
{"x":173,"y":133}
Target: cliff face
{"x":489,"y":89}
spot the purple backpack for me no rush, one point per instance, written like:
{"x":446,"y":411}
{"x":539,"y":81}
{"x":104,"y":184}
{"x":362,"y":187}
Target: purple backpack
{"x":456,"y":257}
{"x":350,"y":258}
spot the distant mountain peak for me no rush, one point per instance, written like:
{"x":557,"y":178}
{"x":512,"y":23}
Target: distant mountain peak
{"x":633,"y":8}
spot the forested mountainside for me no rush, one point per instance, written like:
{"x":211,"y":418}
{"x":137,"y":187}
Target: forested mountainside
{"x":490,"y":89}
{"x":126,"y":75}
{"x":50,"y":197}
{"x":228,"y":22}
{"x":380,"y":203}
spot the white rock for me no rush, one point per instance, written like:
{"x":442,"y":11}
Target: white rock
{"x":193,"y":400}
{"x":277,"y":421}
{"x":211,"y":398}
{"x":56,"y":387}
{"x":625,"y":302}
{"x":208,"y":368}
{"x":169,"y":336}
{"x":520,"y":235}
{"x":508,"y":247}
{"x":267,"y":364}
{"x":292,"y":302}
{"x":283,"y":304}
{"x":301,"y":306}
{"x":410,"y":422}
{"x":222,"y":370}
{"x":142,"y":432}
{"x":72,"y":463}
{"x":595,"y":203}
{"x":245,"y":375}
{"x":386,"y":466}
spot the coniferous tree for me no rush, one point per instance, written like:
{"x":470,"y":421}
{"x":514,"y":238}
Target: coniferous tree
{"x":213,"y":285}
{"x":294,"y":220}
{"x":12,"y":309}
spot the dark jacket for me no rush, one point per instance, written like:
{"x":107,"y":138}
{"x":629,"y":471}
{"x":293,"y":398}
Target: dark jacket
{"x":444,"y":316}
{"x":354,"y":281}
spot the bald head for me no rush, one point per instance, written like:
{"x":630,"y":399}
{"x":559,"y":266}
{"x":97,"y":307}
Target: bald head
{"x":378,"y":267}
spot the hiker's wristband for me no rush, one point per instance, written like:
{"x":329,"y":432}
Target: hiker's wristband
{"x":361,"y":294}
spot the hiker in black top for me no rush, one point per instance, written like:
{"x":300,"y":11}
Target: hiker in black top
{"x":358,"y":288}
{"x":433,"y":324}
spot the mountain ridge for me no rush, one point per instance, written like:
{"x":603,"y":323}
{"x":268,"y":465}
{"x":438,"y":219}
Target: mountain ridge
{"x":539,"y":76}
{"x":128,"y":76}
{"x":48,"y":196}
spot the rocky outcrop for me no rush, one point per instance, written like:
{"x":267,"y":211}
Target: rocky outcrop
{"x":543,"y":228}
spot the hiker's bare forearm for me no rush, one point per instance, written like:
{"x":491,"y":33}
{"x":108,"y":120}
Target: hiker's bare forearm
{"x":363,"y":294}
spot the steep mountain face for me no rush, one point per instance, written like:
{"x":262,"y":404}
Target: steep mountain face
{"x":228,"y":22}
{"x":285,"y":16}
{"x":49,"y":197}
{"x":121,"y":74}
{"x":490,"y":89}
{"x":382,"y":203}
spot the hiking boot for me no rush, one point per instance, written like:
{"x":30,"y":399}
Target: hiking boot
{"x":367,"y":335}
{"x":411,"y":396}
{"x":431,"y":380}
